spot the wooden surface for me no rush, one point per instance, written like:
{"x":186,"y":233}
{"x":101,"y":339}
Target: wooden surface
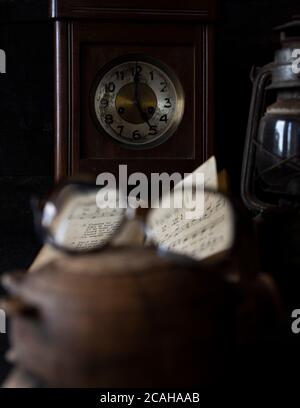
{"x":83,"y":48}
{"x":128,"y":294}
{"x":62,"y":125}
{"x":39,"y":10}
{"x":189,"y":9}
{"x":135,"y":319}
{"x":93,"y":150}
{"x":19,"y":379}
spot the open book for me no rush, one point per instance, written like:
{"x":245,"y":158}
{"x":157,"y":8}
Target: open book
{"x":88,"y":224}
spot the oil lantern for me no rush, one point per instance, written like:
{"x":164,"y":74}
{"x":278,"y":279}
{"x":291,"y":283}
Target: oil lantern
{"x":271,"y":163}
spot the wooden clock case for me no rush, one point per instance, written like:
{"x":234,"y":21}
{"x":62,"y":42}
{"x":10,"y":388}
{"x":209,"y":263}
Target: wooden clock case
{"x":91,"y":33}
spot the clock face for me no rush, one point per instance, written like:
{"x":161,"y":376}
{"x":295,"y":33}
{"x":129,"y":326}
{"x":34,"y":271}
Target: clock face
{"x":138,"y":101}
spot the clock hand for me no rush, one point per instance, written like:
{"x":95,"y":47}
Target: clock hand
{"x":136,"y":98}
{"x":142,"y":113}
{"x":136,"y":83}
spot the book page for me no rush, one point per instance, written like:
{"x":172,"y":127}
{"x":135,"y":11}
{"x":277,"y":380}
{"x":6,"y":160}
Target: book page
{"x":200,"y":237}
{"x":209,"y":171}
{"x":82,"y":225}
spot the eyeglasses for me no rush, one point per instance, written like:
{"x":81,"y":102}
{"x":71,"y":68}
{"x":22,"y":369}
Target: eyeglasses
{"x":79,"y":217}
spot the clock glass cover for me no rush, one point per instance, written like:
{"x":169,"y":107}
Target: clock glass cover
{"x":138,"y":101}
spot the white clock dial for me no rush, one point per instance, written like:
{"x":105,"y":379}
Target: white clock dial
{"x":138,"y":102}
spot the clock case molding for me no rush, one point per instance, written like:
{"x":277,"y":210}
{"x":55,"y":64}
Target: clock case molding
{"x":88,"y":35}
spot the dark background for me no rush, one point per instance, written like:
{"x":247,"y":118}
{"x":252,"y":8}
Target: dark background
{"x":244,"y":37}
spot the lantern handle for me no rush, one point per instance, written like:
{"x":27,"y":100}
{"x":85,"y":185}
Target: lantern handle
{"x":260,"y":78}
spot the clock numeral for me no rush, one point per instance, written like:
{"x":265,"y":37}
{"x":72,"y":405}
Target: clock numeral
{"x":109,"y":119}
{"x":136,"y":70}
{"x":104,"y":103}
{"x":121,"y":127}
{"x":164,"y":118}
{"x":120,"y":75}
{"x":164,"y":87}
{"x":151,"y":75}
{"x":152,"y":131}
{"x":110,"y":87}
{"x":136,"y":135}
{"x":168,"y":103}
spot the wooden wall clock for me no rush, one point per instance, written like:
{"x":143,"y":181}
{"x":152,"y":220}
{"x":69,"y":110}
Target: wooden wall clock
{"x":133,"y":85}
